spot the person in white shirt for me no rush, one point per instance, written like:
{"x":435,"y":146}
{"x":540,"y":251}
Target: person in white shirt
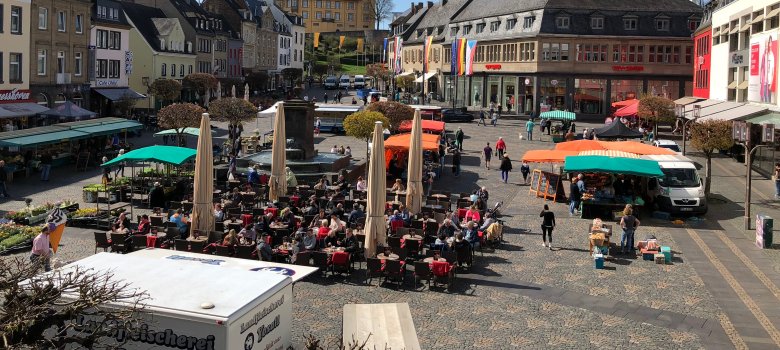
{"x":361,"y":184}
{"x":335,"y":223}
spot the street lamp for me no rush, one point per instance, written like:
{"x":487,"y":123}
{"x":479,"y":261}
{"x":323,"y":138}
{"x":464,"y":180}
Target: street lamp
{"x":696,"y":115}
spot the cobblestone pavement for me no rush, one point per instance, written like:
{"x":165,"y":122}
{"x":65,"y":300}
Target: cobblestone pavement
{"x":521,"y":295}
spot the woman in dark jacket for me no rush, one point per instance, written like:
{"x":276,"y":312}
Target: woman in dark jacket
{"x":548,"y":223}
{"x":506,"y":167}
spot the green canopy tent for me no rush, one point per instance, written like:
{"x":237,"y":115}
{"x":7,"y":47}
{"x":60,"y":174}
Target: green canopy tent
{"x":559,"y":115}
{"x":612,"y":165}
{"x":186,"y":131}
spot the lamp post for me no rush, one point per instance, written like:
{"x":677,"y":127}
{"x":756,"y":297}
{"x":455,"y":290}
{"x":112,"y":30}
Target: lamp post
{"x":696,"y":115}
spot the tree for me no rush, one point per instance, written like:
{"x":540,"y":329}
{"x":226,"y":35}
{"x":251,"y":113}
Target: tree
{"x":50,"y":311}
{"x":201,"y":82}
{"x":178,"y":116}
{"x":378,"y":71}
{"x":319,"y":69}
{"x":657,"y":109}
{"x":380,"y":10}
{"x":165,"y":90}
{"x":405,"y":82}
{"x":334,"y":63}
{"x":232,"y":110}
{"x":360,"y":125}
{"x":708,"y":136}
{"x":395,"y":112}
{"x":292,"y":74}
{"x":258,"y":81}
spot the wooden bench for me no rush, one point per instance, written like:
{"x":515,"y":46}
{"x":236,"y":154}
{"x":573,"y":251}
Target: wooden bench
{"x":390,"y":326}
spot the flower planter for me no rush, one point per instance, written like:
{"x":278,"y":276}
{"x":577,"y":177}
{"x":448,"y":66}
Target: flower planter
{"x":37,"y":219}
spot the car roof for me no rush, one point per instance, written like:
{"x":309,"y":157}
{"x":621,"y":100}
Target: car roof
{"x":666,"y":142}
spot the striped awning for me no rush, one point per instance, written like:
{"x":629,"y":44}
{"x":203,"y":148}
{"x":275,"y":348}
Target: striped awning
{"x":558,"y":115}
{"x":609,"y":153}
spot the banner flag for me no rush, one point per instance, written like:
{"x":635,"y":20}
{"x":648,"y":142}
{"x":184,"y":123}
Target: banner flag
{"x":384,"y":49}
{"x":471,"y":50}
{"x":454,"y":57}
{"x":427,"y":53}
{"x":360,"y":44}
{"x":316,"y":40}
{"x":461,"y":56}
{"x":341,"y":41}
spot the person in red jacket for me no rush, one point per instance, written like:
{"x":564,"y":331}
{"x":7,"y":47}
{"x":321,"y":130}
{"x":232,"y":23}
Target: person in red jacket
{"x":500,"y":147}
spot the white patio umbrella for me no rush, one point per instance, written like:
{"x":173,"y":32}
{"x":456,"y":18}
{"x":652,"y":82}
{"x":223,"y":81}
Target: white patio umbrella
{"x":375,"y":221}
{"x":219,"y":89}
{"x":246,"y":92}
{"x":233,"y":91}
{"x":277,"y":183}
{"x":414,"y":188}
{"x":202,"y":199}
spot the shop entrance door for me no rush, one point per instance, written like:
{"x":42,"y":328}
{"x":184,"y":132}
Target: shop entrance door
{"x":494,"y":93}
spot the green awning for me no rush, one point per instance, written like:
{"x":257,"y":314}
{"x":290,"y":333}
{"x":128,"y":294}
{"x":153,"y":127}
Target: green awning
{"x":612,"y":165}
{"x":770,"y":118}
{"x":186,"y":131}
{"x":558,"y":115}
{"x":111,"y":128}
{"x":158,"y":154}
{"x":44,"y":139}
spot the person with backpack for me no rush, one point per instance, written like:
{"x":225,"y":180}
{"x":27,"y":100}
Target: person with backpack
{"x":574,"y":194}
{"x":628,"y":223}
{"x":548,"y":223}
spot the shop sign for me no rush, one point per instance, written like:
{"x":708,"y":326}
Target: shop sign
{"x":14,"y":95}
{"x":107,"y":82}
{"x":493,"y":66}
{"x":739,"y":58}
{"x":128,"y":62}
{"x":628,"y":68}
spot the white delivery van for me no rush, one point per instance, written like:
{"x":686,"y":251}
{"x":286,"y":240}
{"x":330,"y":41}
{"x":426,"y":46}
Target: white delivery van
{"x":360,"y":82}
{"x":203,"y":302}
{"x":344,"y":82}
{"x":331,"y":83}
{"x":681,"y":190}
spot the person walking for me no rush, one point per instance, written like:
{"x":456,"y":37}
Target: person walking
{"x":494,"y":119}
{"x":482,"y":119}
{"x":575,"y":194}
{"x":46,"y":160}
{"x":776,"y":177}
{"x":459,"y":139}
{"x":500,"y":147}
{"x":120,"y":168}
{"x":628,"y":223}
{"x":487,"y":153}
{"x":3,"y":179}
{"x":525,"y":169}
{"x":456,"y":163}
{"x":548,"y":223}
{"x":317,"y":126}
{"x":529,"y":128}
{"x":325,"y":97}
{"x":41,"y":252}
{"x":506,"y":167}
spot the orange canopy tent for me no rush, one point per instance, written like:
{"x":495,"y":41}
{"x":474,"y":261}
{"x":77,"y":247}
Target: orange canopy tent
{"x":579,"y":145}
{"x":547,"y":156}
{"x":621,"y":104}
{"x":427,"y":126}
{"x":400,"y":144}
{"x":636,"y":148}
{"x":628,"y":111}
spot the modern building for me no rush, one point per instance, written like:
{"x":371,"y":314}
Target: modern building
{"x":159,"y":48}
{"x":560,"y":54}
{"x":328,"y":16}
{"x":109,"y":61}
{"x":59,"y":40}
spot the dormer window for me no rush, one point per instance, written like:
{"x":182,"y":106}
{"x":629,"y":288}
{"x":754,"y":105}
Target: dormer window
{"x":630,"y":23}
{"x":467,"y":29}
{"x":494,"y":26}
{"x":597,"y":23}
{"x":562,"y":22}
{"x":528,"y":22}
{"x":453,"y":31}
{"x":480,"y":27}
{"x":511,"y":23}
{"x":662,"y":24}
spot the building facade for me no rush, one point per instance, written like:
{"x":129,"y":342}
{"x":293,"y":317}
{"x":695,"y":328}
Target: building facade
{"x":559,"y":55}
{"x":15,"y":51}
{"x":327,"y":16}
{"x":160,"y":51}
{"x":59,"y":40}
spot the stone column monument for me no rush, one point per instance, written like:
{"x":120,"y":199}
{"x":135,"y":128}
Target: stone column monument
{"x":299,"y":125}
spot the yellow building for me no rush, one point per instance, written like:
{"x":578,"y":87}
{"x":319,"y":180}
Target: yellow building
{"x":159,"y":48}
{"x":325,"y":16}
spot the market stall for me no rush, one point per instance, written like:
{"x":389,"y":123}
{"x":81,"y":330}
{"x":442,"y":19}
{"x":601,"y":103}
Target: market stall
{"x":547,"y":184}
{"x":617,"y":130}
{"x":624,"y":146}
{"x":429,"y":126}
{"x":611,"y":182}
{"x":398,"y":146}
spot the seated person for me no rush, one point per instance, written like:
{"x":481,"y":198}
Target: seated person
{"x":342,"y":184}
{"x":405,"y":215}
{"x":356,"y":214}
{"x":324,"y":229}
{"x":219,"y":214}
{"x":311,"y":208}
{"x":453,"y":216}
{"x":459,"y":242}
{"x":320,"y":185}
{"x":122,"y":220}
{"x":482,"y":193}
{"x":231,"y":239}
{"x":338,"y":209}
{"x":181,"y":223}
{"x":488,"y":221}
{"x":350,"y":243}
{"x":310,"y":240}
{"x":472,"y":214}
{"x":318,"y":219}
{"x":253,"y":176}
{"x":441,"y":240}
{"x":331,"y":240}
{"x":361,"y":184}
{"x":398,"y":186}
{"x":144,"y":226}
{"x":471,"y":234}
{"x":264,"y":250}
{"x":297,"y":247}
{"x":336,"y":225}
{"x":447,"y":228}
{"x":248,"y":232}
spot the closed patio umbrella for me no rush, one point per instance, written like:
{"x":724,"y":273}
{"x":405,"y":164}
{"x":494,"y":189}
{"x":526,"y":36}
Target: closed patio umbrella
{"x":375,"y":220}
{"x":277,"y":183}
{"x":414,"y":168}
{"x":219,"y":89}
{"x":246,"y":91}
{"x":202,"y":199}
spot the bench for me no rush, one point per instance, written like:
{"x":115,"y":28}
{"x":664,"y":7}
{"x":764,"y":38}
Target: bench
{"x":390,"y":326}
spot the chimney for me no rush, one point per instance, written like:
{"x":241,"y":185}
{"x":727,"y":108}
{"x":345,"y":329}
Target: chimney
{"x":443,"y":2}
{"x":430,"y":4}
{"x":414,"y":8}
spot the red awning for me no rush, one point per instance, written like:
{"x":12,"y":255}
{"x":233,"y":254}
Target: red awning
{"x":621,"y":104}
{"x":427,"y":126}
{"x":628,"y":111}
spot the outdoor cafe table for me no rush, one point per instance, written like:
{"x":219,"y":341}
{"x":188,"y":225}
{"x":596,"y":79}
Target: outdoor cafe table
{"x":430,"y":260}
{"x":303,"y":187}
{"x":277,"y":225}
{"x":198,"y":239}
{"x":433,"y":206}
{"x":382,"y":256}
{"x":330,"y":250}
{"x":332,"y":188}
{"x":440,"y":196}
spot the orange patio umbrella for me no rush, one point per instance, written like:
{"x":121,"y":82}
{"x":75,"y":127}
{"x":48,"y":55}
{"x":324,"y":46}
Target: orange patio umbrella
{"x":635,"y":147}
{"x":579,"y":145}
{"x":547,"y":156}
{"x":621,"y":104}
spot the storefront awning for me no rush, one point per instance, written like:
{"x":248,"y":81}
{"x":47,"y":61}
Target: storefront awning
{"x":773,"y":13}
{"x":558,"y":115}
{"x":738,"y":112}
{"x":703,"y":104}
{"x":771,"y":118}
{"x":732,"y":85}
{"x":404,"y":73}
{"x":112,"y":128}
{"x":119,"y":93}
{"x":612,"y":165}
{"x":687,"y":100}
{"x":24,"y":109}
{"x":427,"y":76}
{"x":44,"y":139}
{"x":743,"y":85}
{"x":158,"y":154}
{"x":758,"y":18}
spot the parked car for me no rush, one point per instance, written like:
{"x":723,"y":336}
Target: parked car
{"x":331,"y":83}
{"x":344,"y":82}
{"x":668,"y":144}
{"x":360,"y":82}
{"x":456,"y":115}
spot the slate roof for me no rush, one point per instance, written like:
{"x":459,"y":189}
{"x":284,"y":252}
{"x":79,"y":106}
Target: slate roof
{"x":109,"y":4}
{"x":438,"y":16}
{"x":143,"y":19}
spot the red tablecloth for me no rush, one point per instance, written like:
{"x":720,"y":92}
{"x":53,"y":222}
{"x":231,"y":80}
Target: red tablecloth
{"x":271,"y":210}
{"x":246,"y":218}
{"x":151,"y":240}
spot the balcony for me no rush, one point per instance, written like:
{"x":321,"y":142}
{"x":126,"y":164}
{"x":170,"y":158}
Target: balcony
{"x":63,"y":78}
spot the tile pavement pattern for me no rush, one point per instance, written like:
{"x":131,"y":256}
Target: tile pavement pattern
{"x":520,"y":296}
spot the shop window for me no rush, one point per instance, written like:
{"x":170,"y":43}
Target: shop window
{"x":589,"y":96}
{"x":562,"y":22}
{"x":597,"y":23}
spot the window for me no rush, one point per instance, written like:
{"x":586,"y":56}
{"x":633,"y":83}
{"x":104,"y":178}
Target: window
{"x":41,"y":63}
{"x":181,"y":70}
{"x":467,"y":29}
{"x":480,"y":27}
{"x":101,"y":11}
{"x":15,"y":65}
{"x":164,"y":70}
{"x":77,"y":61}
{"x":591,"y":53}
{"x":338,"y":4}
{"x":101,"y":69}
{"x":305,"y":3}
{"x":597,"y":23}
{"x":562,"y":22}
{"x":16,"y":28}
{"x":494,"y":26}
{"x":662,"y":24}
{"x":688,"y":54}
{"x":338,"y":16}
{"x":113,"y":13}
{"x":350,"y":17}
{"x":61,"y":62}
{"x":327,"y":15}
{"x":511,"y":23}
{"x":629,"y":23}
{"x":115,"y":40}
{"x":305,"y":14}
{"x":318,"y":15}
{"x":113,"y":69}
{"x":189,"y":69}
{"x":1,"y":59}
{"x":2,"y":16}
{"x":453,"y":31}
{"x":101,"y":40}
{"x":318,"y":4}
{"x":79,"y":24}
{"x":527,"y":52}
{"x":350,"y":5}
{"x":528,"y":22}
{"x":628,"y":53}
{"x":173,"y":70}
{"x":694,"y":23}
{"x":327,"y":4}
{"x":61,"y":21}
{"x":43,"y":18}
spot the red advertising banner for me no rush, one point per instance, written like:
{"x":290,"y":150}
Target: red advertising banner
{"x":754,"y":49}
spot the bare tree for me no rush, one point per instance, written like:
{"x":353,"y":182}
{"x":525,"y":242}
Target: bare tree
{"x":65,"y":308}
{"x":380,"y":10}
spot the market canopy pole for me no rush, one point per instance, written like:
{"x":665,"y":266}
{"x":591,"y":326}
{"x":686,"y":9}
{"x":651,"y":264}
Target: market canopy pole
{"x":414,"y":167}
{"x":375,"y":212}
{"x":277,"y":183}
{"x":202,"y":199}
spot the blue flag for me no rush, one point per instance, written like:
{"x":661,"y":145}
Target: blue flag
{"x":454,"y":58}
{"x":384,"y":49}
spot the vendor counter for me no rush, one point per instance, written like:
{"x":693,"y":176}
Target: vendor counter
{"x":607,"y":209}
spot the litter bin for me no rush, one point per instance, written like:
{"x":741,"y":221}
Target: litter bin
{"x":764,"y":231}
